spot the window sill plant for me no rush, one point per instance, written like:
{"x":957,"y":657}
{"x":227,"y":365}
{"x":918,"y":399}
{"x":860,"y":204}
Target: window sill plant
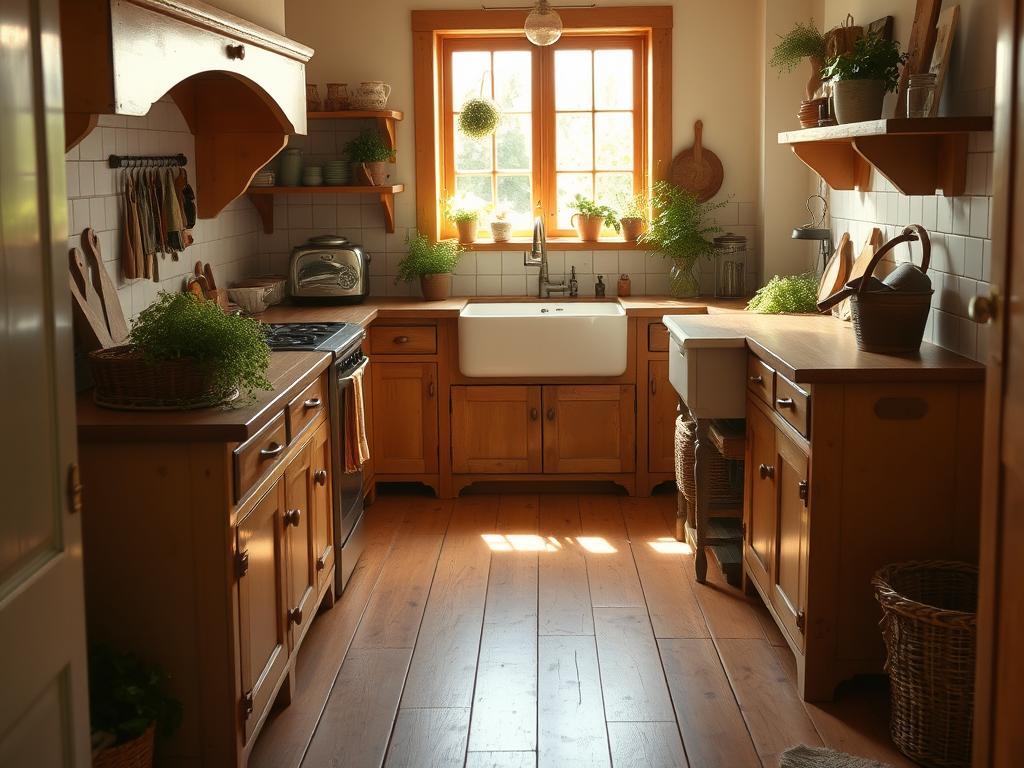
{"x":679,"y":231}
{"x":369,"y":153}
{"x":636,"y":210}
{"x":501,"y":227}
{"x":464,"y":213}
{"x":591,"y":217}
{"x":433,"y":264}
{"x":861,"y":78}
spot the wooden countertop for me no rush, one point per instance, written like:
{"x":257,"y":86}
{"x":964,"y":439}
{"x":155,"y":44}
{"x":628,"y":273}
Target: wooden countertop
{"x":289,"y":373}
{"x":816,"y":348}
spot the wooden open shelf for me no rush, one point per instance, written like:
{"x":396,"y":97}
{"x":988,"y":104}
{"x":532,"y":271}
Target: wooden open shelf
{"x":386,"y":119}
{"x":263,"y":199}
{"x":918,"y":155}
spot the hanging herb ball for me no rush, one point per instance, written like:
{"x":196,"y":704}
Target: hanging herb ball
{"x":479,"y":118}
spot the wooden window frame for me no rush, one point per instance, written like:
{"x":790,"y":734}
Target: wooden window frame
{"x":430,"y":29}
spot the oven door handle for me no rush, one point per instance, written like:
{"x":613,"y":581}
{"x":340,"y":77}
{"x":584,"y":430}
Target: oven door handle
{"x":365,"y":362}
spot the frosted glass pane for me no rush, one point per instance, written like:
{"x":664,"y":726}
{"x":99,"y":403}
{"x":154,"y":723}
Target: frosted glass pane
{"x":613,"y":79}
{"x":471,"y":154}
{"x":573,"y":80}
{"x":613,"y":140}
{"x":574,"y":141}
{"x":469,"y":69}
{"x":568,"y":186}
{"x":514,"y":143}
{"x":512,"y":80}
{"x":612,"y":188}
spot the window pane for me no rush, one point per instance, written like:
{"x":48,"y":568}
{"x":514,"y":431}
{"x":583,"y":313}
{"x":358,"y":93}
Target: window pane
{"x":573,"y":81}
{"x":474,"y":192}
{"x":470,"y":154}
{"x":469,"y":68}
{"x":614,"y":140}
{"x":574,"y":141}
{"x":512,"y":80}
{"x":612,"y":188}
{"x":569,"y":185}
{"x":514,"y":197}
{"x":513,"y":145}
{"x":613,"y":79}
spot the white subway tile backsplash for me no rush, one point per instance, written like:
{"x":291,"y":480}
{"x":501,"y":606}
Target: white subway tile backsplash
{"x":513,"y":285}
{"x":607,"y":262}
{"x":488,"y":285}
{"x":512,"y":264}
{"x":631,"y":262}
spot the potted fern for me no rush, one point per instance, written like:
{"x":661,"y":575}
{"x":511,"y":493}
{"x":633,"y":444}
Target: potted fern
{"x":804,"y":41}
{"x":433,"y":264}
{"x":464,"y":213}
{"x":590,"y":217}
{"x":369,"y":152}
{"x":861,"y":77}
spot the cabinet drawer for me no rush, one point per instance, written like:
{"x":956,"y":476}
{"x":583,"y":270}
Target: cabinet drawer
{"x":657,"y":337}
{"x":307,"y":407}
{"x":259,"y":454}
{"x":793,"y":404}
{"x":403,"y":340}
{"x":761,"y":379}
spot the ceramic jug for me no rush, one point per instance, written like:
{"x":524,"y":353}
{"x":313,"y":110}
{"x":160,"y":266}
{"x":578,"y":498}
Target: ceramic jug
{"x":371,"y":94}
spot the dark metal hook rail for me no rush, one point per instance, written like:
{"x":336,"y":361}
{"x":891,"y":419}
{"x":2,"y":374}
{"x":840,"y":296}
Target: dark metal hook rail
{"x":146,"y":161}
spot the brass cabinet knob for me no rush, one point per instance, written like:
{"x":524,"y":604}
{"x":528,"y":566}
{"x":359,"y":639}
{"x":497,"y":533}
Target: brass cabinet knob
{"x":313,"y":402}
{"x":551,"y":414}
{"x":401,"y":339}
{"x":295,"y":615}
{"x":534,"y":415}
{"x":757,"y":380}
{"x":320,"y":477}
{"x":766,"y":471}
{"x":236,"y":52}
{"x":983,"y":309}
{"x":293,"y":517}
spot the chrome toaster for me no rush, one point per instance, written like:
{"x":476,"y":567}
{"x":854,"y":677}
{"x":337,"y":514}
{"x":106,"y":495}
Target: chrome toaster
{"x":330,"y":269}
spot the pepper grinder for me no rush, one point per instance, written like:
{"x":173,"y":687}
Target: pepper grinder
{"x":574,"y":286}
{"x":599,"y":286}
{"x":625,"y":286}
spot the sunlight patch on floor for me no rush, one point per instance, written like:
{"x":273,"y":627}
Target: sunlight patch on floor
{"x":666,"y":545}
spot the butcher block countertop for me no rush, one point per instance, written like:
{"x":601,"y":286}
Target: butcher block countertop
{"x":816,"y":348}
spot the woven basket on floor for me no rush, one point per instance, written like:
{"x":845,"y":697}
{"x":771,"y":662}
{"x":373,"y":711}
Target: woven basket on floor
{"x":722,"y":477}
{"x":930,"y":628}
{"x":124,"y":379}
{"x":137,"y":753}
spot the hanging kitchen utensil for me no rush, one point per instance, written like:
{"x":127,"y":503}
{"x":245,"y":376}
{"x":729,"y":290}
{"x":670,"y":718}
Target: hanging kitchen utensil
{"x":104,"y":285}
{"x":133,"y":258}
{"x":697,"y":169}
{"x":187,"y":197}
{"x":80,"y":274}
{"x":837,"y":270}
{"x":860,"y":266}
{"x":173,"y":218}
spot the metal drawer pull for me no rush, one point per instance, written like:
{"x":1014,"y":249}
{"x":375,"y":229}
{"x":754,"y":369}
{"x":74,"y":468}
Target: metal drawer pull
{"x":430,"y":389}
{"x":785,"y":402}
{"x":551,"y":414}
{"x":757,"y":380}
{"x":295,"y":615}
{"x":765,"y":471}
{"x":236,"y":52}
{"x":313,"y":402}
{"x":293,"y":517}
{"x":533,"y":414}
{"x":401,"y":339}
{"x":654,"y":386}
{"x":274,"y":450}
{"x":320,"y":477}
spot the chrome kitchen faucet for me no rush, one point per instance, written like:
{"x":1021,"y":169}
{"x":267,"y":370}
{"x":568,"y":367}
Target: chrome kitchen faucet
{"x":538,"y":256}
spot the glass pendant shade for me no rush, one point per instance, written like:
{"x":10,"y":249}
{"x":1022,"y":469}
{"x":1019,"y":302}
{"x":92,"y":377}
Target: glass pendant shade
{"x":543,"y":25}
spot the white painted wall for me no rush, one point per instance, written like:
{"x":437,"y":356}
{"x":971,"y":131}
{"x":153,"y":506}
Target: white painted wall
{"x":266,"y":13}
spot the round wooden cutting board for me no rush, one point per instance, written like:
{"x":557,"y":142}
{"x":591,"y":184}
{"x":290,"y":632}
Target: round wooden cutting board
{"x":697,"y":170}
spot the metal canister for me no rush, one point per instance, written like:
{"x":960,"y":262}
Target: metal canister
{"x":730,"y":266}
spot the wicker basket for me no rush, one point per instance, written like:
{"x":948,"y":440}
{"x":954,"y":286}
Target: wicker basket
{"x":137,"y":753}
{"x":725,"y":479}
{"x":892,"y":322}
{"x":930,"y":628}
{"x":124,"y":379}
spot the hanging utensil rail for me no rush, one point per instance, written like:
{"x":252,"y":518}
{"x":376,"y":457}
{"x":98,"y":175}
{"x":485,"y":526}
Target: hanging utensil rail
{"x":146,"y":161}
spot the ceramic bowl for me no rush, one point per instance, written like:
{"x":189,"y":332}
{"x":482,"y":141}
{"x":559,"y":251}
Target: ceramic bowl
{"x":251,"y":300}
{"x":274,"y":284}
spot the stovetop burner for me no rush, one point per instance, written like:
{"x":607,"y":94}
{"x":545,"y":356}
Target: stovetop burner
{"x":331,"y":337}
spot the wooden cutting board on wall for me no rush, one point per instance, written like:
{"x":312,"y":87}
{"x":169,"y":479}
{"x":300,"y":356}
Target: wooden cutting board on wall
{"x":697,"y":169}
{"x":919,"y":47}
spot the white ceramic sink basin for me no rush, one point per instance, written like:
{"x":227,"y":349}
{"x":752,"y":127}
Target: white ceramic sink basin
{"x":542,"y":338}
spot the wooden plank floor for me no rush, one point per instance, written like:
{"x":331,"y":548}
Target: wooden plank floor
{"x":558,"y":630}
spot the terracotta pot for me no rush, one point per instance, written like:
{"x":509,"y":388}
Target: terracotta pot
{"x":436,"y":287}
{"x":632,"y":228}
{"x":501,"y":231}
{"x":137,"y":753}
{"x":587,"y":227}
{"x":376,"y":173}
{"x":858,"y":100}
{"x":467,"y":231}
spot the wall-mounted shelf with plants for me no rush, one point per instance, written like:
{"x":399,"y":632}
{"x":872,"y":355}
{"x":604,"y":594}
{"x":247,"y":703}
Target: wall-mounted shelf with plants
{"x":263,"y":199}
{"x":918,"y":155}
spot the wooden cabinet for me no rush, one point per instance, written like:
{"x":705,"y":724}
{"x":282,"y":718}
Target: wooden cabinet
{"x":789,"y":580}
{"x":297,"y":521}
{"x":405,"y":418}
{"x":589,"y":428}
{"x":496,"y":430}
{"x":321,"y":517}
{"x":262,"y":628}
{"x":662,"y":409}
{"x":760,"y":496}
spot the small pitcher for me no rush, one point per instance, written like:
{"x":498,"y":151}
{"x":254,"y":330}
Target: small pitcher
{"x":373,"y":94}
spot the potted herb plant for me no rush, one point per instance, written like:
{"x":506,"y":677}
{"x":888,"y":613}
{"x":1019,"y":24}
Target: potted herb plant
{"x":464,"y":213}
{"x":128,"y":707}
{"x":590,"y":217}
{"x":369,"y":152}
{"x":433,"y":264}
{"x":635,"y":212}
{"x":501,"y":227}
{"x":680,"y":231}
{"x":804,"y":41}
{"x":861,"y":77}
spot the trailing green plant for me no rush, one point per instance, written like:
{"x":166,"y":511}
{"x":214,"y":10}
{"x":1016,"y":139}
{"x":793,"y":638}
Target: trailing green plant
{"x":679,"y":229}
{"x":127,"y":695}
{"x":798,"y":293}
{"x":479,"y":117}
{"x":462,"y":208}
{"x":635,"y":206}
{"x":369,"y":147}
{"x":872,"y":58}
{"x":427,"y":258}
{"x":584,"y":206}
{"x":181,"y":325}
{"x":804,"y":41}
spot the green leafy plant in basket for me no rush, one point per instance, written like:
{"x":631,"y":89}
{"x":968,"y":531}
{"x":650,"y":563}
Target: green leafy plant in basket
{"x":231,"y":347}
{"x":369,"y":147}
{"x":479,"y":117}
{"x":796,"y":294}
{"x":872,"y":58}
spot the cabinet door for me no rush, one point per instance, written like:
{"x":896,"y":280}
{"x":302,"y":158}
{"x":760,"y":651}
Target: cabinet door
{"x":589,"y":428}
{"x":262,"y":630}
{"x":322,"y":517}
{"x":298,"y":526}
{"x":759,"y":512}
{"x":405,"y":418}
{"x":662,"y":408}
{"x":496,"y":429}
{"x":789,"y":587}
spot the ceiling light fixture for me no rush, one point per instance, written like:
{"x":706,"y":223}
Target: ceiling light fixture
{"x":543,"y":24}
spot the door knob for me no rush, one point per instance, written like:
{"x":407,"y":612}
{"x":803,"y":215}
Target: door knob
{"x":320,"y":477}
{"x":292,"y":517}
{"x":984,"y":309}
{"x":765,"y":471}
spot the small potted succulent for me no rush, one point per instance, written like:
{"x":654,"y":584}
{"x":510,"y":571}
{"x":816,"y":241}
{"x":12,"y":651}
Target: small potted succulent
{"x":129,"y":708}
{"x":479,"y":117}
{"x":590,"y":217}
{"x":369,"y":152}
{"x":501,"y":227}
{"x":636,"y":210}
{"x":464,"y":213}
{"x":804,"y":41}
{"x":433,"y":264}
{"x":861,"y":78}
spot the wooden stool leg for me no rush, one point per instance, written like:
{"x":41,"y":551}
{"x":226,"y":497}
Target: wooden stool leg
{"x":702,"y":449}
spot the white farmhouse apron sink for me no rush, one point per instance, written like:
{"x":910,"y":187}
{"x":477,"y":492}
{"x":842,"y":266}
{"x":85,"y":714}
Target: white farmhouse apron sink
{"x":542,"y":338}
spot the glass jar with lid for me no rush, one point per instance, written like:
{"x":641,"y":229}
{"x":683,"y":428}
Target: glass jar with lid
{"x":730,"y":266}
{"x":921,"y":94}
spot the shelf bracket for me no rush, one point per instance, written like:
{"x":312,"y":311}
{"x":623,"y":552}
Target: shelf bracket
{"x":836,"y":162}
{"x":387,"y":203}
{"x":264,"y":205}
{"x":386,"y":125}
{"x":919,"y":165}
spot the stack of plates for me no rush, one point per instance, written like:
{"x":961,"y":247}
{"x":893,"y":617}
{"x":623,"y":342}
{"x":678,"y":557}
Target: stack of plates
{"x":312,"y":176}
{"x":337,"y":173}
{"x":263,"y":179}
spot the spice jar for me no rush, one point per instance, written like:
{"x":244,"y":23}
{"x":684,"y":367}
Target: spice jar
{"x":730,"y":266}
{"x":921,"y":94}
{"x":624,"y":287}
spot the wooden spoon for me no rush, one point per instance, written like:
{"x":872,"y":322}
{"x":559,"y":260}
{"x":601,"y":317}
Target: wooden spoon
{"x":105,"y":287}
